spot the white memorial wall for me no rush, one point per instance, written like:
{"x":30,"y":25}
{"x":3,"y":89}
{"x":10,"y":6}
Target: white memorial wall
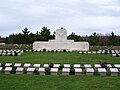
{"x":61,"y":43}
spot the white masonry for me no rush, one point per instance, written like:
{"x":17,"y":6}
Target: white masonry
{"x":61,"y":43}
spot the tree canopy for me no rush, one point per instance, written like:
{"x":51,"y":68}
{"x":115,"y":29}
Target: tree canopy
{"x":27,"y":37}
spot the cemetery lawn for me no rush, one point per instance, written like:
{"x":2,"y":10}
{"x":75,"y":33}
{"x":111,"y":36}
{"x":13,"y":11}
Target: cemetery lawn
{"x":59,"y":82}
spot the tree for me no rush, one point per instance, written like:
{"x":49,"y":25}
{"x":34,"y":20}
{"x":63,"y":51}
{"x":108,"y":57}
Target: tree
{"x":94,"y":39}
{"x":74,"y":37}
{"x":112,"y":34}
{"x":113,"y":40}
{"x":45,"y":34}
{"x":103,"y":40}
{"x":94,"y":34}
{"x":25,"y":31}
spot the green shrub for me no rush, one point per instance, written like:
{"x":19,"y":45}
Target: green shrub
{"x":13,"y":70}
{"x":47,"y":71}
{"x":36,"y":72}
{"x":72,"y":71}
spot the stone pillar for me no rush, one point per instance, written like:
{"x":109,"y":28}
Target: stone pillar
{"x":61,"y":35}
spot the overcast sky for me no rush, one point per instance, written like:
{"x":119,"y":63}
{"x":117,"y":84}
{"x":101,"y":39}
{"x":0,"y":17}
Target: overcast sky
{"x":82,"y":17}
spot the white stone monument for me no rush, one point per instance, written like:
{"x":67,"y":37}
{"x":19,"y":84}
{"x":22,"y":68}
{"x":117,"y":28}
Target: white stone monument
{"x":60,"y":43}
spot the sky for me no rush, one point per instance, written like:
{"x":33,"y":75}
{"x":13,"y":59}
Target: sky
{"x":83,"y":17}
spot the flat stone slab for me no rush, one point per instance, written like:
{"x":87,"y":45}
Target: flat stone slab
{"x":93,"y":52}
{"x":114,"y":55}
{"x":76,"y":65}
{"x":1,"y":68}
{"x":19,"y":69}
{"x":17,"y":65}
{"x":90,"y":70}
{"x":27,"y":65}
{"x":8,"y":69}
{"x":0,"y":51}
{"x":87,"y":65}
{"x":30,"y":69}
{"x":97,"y":66}
{"x":56,"y":65}
{"x":98,"y":52}
{"x":89,"y":52}
{"x":19,"y":54}
{"x":54,"y":70}
{"x":46,"y":65}
{"x":117,"y":65}
{"x":78,"y":70}
{"x":67,"y":70}
{"x":80,"y":52}
{"x":41,"y":69}
{"x":66,"y":65}
{"x":109,"y":65}
{"x":102,"y":70}
{"x":8,"y":64}
{"x":114,"y":70}
{"x":36,"y":65}
{"x":3,"y":54}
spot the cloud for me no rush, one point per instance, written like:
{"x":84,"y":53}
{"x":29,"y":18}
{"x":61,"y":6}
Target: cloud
{"x":79,"y":16}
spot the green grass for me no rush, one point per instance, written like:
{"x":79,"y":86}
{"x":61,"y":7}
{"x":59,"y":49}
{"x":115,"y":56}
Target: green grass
{"x":74,"y":57}
{"x":36,"y":82}
{"x":48,"y":82}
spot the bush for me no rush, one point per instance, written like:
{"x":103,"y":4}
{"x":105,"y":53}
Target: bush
{"x":103,"y":65}
{"x":24,"y":71}
{"x":51,"y":65}
{"x":64,"y":50}
{"x":44,"y":50}
{"x":24,"y":50}
{"x":56,"y":51}
{"x":117,"y":55}
{"x":72,"y":71}
{"x":13,"y":70}
{"x":47,"y":71}
{"x":59,"y":72}
{"x":36,"y":72}
{"x":61,"y":66}
{"x":3,"y":65}
{"x":84,"y":71}
{"x":52,"y":50}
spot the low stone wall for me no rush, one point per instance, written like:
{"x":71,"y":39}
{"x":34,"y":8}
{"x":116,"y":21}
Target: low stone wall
{"x":16,"y":46}
{"x":30,"y":46}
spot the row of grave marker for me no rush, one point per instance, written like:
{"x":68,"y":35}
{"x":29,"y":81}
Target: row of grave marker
{"x":115,"y":53}
{"x":11,"y":52}
{"x":59,"y":65}
{"x":66,"y":69}
{"x":65,"y":50}
{"x":20,"y":52}
{"x":101,"y":52}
